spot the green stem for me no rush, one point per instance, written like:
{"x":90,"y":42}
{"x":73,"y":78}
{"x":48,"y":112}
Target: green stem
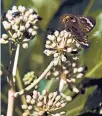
{"x":11,"y":91}
{"x":37,"y":81}
{"x":4,"y":98}
{"x":20,"y":86}
{"x":88,"y":8}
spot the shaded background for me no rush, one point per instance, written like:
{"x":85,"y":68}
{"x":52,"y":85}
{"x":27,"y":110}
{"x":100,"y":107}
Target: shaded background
{"x":33,"y":58}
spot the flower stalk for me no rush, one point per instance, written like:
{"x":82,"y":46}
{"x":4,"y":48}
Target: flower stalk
{"x":11,"y":91}
{"x":37,"y":81}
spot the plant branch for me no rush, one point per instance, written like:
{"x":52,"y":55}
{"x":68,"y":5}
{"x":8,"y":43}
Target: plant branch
{"x":37,"y":81}
{"x":11,"y":91}
{"x":88,"y":8}
{"x":15,"y":61}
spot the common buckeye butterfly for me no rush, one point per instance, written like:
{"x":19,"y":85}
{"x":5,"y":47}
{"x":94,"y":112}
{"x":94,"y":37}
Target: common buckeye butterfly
{"x":79,"y":26}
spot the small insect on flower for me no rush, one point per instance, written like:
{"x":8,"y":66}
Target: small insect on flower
{"x":79,"y":26}
{"x":17,"y":13}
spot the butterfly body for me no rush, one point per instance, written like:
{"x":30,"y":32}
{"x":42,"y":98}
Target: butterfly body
{"x":79,"y":26}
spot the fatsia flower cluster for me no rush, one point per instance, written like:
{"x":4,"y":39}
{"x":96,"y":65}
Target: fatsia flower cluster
{"x":21,"y":25}
{"x":44,"y":104}
{"x":66,"y":51}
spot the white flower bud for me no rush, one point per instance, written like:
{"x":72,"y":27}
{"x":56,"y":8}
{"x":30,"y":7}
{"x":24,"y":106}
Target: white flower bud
{"x":15,"y":27}
{"x":18,"y":33}
{"x":41,"y":113}
{"x":56,"y":61}
{"x":30,"y":30}
{"x":27,"y":25}
{"x":22,"y":28}
{"x":66,"y":34}
{"x":56,"y":33}
{"x":58,"y":98}
{"x":35,"y":27}
{"x":23,"y":9}
{"x":80,"y":69}
{"x":63,"y":58}
{"x":56,"y":55}
{"x":73,"y":64}
{"x":31,"y":11}
{"x":57,"y":114}
{"x":69,"y":50}
{"x":58,"y":104}
{"x":31,"y":17}
{"x":75,"y":70}
{"x":34,"y":33}
{"x":2,"y":41}
{"x":20,"y":8}
{"x":48,"y":52}
{"x":25,"y":114}
{"x":50,"y":103}
{"x":14,"y":36}
{"x":69,"y":98}
{"x":14,"y":8}
{"x":62,"y":112}
{"x":44,"y":92}
{"x":48,"y":42}
{"x":30,"y":107}
{"x":39,"y":104}
{"x":17,"y":20}
{"x":73,"y":80}
{"x":50,"y":95}
{"x":66,"y":72}
{"x":34,"y":22}
{"x":25,"y":45}
{"x":6,"y":25}
{"x":59,"y":39}
{"x":56,"y":73}
{"x":12,"y":22}
{"x":32,"y":101}
{"x":27,"y":14}
{"x":64,"y":104}
{"x":9,"y":16}
{"x":75,"y":90}
{"x":51,"y":37}
{"x":62,"y":33}
{"x":1,"y":72}
{"x":28,"y":97}
{"x":53,"y":45}
{"x":24,"y":107}
{"x":79,"y":75}
{"x":21,"y":18}
{"x":69,"y":41}
{"x":75,"y":58}
{"x":35,"y":16}
{"x":4,"y":36}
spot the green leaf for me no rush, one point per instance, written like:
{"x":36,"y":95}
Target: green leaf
{"x":76,"y":106}
{"x":93,"y":56}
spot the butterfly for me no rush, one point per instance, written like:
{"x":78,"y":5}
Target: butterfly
{"x":79,"y":26}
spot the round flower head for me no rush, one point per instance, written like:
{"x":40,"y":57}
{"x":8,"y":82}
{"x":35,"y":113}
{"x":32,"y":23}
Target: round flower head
{"x":66,"y":51}
{"x":21,"y":25}
{"x":29,"y":78}
{"x":44,"y":104}
{"x":60,"y":44}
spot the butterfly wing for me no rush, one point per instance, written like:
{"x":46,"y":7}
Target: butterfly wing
{"x":86,"y":23}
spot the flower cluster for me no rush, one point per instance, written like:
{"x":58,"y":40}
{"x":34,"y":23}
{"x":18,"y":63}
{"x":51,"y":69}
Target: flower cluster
{"x":21,"y":25}
{"x":44,"y":104}
{"x":29,"y":78}
{"x":60,"y":44}
{"x":66,"y":52}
